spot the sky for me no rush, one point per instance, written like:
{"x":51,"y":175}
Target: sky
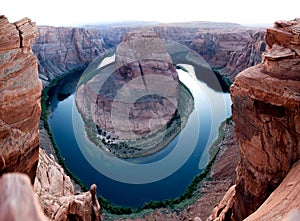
{"x":74,"y":12}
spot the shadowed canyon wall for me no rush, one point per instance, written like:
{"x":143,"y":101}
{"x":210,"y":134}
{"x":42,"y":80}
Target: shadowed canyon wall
{"x":20,"y":90}
{"x":228,"y":48}
{"x":266,"y":112}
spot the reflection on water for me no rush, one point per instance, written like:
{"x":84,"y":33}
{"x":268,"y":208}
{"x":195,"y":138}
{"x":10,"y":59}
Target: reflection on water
{"x":162,"y":175}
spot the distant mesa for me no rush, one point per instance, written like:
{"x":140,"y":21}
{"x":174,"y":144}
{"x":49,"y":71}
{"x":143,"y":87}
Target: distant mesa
{"x":134,"y":99}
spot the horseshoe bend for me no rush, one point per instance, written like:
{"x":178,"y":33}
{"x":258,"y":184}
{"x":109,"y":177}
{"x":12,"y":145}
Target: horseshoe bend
{"x":136,"y":106}
{"x":266,"y":120}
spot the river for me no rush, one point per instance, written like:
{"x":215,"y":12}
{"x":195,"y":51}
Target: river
{"x":162,"y":175}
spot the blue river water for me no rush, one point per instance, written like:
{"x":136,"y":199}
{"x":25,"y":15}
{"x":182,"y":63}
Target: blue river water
{"x":163,"y":175}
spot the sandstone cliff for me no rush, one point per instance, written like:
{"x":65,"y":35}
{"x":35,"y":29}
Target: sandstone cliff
{"x":17,"y":199}
{"x":230,"y":51}
{"x":266,"y":110}
{"x":20,"y":90}
{"x":227,"y":48}
{"x":63,"y":50}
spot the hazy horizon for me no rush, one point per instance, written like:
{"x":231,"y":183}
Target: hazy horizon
{"x":78,"y":13}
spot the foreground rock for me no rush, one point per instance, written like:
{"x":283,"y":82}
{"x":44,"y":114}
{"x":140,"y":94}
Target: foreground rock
{"x":266,"y":110}
{"x":20,"y":93}
{"x":56,"y":193}
{"x":283,"y":203}
{"x":17,"y":199}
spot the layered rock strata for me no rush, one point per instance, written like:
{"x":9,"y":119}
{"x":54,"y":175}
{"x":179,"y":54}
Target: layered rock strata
{"x":140,"y":97}
{"x":62,"y":50}
{"x":228,"y":48}
{"x":20,"y":90}
{"x":266,"y":110}
{"x":230,"y":51}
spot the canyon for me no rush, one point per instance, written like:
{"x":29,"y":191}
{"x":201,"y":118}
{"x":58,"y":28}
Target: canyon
{"x":142,"y":62}
{"x":266,"y":110}
{"x":227,"y":48}
{"x":138,"y":99}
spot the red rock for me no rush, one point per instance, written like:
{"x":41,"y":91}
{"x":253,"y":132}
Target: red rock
{"x":20,"y":107}
{"x":143,"y":65}
{"x":9,"y":35}
{"x":283,"y":203}
{"x":17,"y":199}
{"x":51,"y":178}
{"x":56,"y":193}
{"x":230,"y":51}
{"x":266,"y":109}
{"x":62,"y":50}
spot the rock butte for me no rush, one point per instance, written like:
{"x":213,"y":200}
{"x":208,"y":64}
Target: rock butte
{"x":140,"y":97}
{"x":266,"y":110}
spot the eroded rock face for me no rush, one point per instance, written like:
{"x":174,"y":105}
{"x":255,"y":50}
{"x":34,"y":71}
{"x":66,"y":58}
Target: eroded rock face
{"x":230,"y":51}
{"x":140,"y":97}
{"x":228,"y":48}
{"x":51,"y":178}
{"x":20,"y":93}
{"x":266,"y":110}
{"x":283,"y":203}
{"x":61,"y":50}
{"x":56,"y":193}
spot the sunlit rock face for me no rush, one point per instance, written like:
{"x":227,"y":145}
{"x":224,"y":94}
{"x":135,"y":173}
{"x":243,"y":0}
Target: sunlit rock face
{"x":57,"y":196}
{"x":17,"y":199}
{"x":266,"y":112}
{"x":20,"y":90}
{"x":139,"y":97}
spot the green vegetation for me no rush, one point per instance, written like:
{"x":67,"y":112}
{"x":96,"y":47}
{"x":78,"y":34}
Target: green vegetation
{"x":45,"y":99}
{"x":188,"y":197}
{"x":146,"y":145}
{"x":176,"y":204}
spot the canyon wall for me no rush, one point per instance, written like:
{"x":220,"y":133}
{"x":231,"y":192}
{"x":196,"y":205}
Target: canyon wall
{"x":266,"y":112}
{"x":64,"y":50}
{"x":228,"y":48}
{"x":230,"y":51}
{"x":20,"y":90}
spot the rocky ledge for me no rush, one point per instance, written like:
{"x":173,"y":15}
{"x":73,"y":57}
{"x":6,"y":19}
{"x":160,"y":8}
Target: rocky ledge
{"x":266,"y":110}
{"x":57,"y":196}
